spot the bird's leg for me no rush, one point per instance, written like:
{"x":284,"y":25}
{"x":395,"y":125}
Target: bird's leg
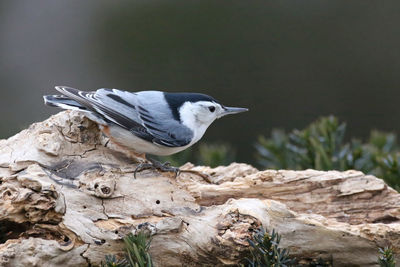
{"x":156,"y":165}
{"x":166,"y":167}
{"x":139,"y":157}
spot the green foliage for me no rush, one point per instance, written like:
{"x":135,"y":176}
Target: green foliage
{"x":212,"y":155}
{"x":321,"y":146}
{"x":136,"y":255}
{"x":112,"y":261}
{"x":137,"y":247}
{"x":273,"y":152}
{"x":178,"y":159}
{"x":386,"y":257}
{"x":265,"y":251}
{"x":389,"y":169}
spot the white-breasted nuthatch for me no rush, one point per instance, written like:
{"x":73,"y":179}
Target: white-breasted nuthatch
{"x":150,"y":122}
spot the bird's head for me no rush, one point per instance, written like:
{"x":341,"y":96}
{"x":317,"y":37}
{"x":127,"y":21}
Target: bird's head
{"x":198,"y":111}
{"x":205,"y":112}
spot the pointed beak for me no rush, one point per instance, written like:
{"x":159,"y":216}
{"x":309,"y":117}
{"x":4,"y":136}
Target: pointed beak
{"x":232,"y":110}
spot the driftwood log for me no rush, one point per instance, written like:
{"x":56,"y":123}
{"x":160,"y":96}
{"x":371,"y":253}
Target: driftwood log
{"x":67,"y":199}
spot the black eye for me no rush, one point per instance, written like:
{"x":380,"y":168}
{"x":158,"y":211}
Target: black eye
{"x":211,"y":108}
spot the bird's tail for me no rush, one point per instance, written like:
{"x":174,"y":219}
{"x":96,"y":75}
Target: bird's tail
{"x":62,"y":102}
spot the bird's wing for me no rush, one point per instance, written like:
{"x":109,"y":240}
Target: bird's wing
{"x":140,"y":113}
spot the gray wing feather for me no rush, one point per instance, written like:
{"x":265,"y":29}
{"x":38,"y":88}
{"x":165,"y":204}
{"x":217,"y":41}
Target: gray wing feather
{"x":142,"y":113}
{"x":156,"y":117}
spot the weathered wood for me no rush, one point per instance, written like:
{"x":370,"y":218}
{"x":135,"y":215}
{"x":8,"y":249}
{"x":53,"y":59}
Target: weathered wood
{"x":67,"y":199}
{"x":349,"y":196}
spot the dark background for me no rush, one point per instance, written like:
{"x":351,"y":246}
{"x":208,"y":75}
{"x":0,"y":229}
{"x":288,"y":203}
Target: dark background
{"x":288,"y":61}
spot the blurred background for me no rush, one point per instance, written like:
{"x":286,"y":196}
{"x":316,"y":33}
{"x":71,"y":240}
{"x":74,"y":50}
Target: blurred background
{"x":289,"y":62}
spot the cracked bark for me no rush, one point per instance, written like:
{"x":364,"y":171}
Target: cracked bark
{"x":68,"y":198}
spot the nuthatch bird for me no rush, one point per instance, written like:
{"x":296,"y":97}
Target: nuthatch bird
{"x":149,"y":122}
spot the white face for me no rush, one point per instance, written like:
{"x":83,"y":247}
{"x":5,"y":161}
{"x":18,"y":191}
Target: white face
{"x":199,"y":115}
{"x":201,"y":112}
{"x":207,"y":112}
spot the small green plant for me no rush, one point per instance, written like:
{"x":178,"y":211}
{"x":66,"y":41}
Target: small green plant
{"x":112,"y":261}
{"x":386,"y":257}
{"x":322,"y":146}
{"x":136,"y":252}
{"x":265,"y":251}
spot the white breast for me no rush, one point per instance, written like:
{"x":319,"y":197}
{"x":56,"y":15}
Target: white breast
{"x":129,"y":140}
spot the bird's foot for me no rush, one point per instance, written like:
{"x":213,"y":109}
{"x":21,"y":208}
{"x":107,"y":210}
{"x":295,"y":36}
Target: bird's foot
{"x":156,"y":165}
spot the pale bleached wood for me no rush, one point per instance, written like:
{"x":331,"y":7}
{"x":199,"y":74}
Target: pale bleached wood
{"x":69,"y":200}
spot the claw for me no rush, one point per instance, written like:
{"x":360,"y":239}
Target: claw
{"x":141,"y":167}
